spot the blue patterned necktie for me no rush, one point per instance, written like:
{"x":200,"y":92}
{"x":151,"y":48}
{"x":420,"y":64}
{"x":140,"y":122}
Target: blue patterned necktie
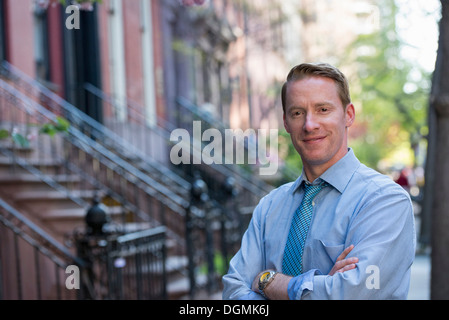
{"x":292,"y":262}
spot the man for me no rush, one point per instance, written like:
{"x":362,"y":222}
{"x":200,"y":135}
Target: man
{"x":341,"y":230}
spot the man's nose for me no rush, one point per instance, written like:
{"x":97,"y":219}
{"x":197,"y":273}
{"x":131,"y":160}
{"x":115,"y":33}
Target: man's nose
{"x":311,"y":123}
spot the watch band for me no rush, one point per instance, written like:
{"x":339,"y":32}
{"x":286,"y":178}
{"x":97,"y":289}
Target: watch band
{"x":265,"y":279}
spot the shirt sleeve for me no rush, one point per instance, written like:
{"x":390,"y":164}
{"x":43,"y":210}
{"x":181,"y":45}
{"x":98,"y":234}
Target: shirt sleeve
{"x":384,"y":238}
{"x":247,"y":263}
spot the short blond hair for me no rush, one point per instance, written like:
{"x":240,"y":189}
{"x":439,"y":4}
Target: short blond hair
{"x":305,"y":70}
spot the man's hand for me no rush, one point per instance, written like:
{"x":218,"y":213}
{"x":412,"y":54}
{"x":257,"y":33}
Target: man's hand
{"x":277,"y":289}
{"x":342,"y":264}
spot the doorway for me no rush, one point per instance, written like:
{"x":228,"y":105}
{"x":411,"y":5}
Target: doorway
{"x":82,"y":63}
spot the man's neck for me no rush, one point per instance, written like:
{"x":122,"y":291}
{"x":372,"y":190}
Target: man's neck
{"x":313,"y":172}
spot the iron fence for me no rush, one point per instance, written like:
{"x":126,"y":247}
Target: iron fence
{"x":124,"y":267}
{"x":32,"y":264}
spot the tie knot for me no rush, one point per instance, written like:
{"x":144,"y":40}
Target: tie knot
{"x":310,"y":190}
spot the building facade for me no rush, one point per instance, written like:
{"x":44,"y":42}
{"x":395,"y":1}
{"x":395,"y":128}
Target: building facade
{"x":137,"y":70}
{"x":126,"y":74}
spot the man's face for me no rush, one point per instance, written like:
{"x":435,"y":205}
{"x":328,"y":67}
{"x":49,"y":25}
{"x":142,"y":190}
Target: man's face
{"x":316,"y":121}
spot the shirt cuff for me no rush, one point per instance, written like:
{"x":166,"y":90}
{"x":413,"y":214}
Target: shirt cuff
{"x":298,"y":286}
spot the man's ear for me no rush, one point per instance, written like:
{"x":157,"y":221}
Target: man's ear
{"x":349,"y":115}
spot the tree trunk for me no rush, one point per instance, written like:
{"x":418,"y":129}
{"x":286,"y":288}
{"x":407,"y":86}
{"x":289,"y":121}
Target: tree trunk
{"x":439,"y":101}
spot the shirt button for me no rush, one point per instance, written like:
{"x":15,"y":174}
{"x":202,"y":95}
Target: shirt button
{"x":313,"y":203}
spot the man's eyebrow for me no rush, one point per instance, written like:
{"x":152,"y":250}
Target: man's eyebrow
{"x":294,"y":107}
{"x":316,"y":105}
{"x":324,"y":103}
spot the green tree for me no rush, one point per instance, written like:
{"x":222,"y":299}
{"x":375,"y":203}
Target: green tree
{"x":392,"y":92}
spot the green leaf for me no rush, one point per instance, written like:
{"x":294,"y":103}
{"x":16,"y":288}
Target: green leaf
{"x":4,"y":134}
{"x":63,"y":2}
{"x":62,"y":125}
{"x":20,"y":140}
{"x":48,"y":129}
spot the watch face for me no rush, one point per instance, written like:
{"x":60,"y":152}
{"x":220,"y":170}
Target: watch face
{"x":264,"y":280}
{"x":264,"y":276}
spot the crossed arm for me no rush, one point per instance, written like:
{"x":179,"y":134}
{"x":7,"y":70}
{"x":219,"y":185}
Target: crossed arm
{"x":277,"y":289}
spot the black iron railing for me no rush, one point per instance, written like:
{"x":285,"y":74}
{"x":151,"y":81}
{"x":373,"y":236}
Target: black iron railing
{"x":108,"y":140}
{"x":97,"y":168}
{"x":148,"y":135}
{"x":105,"y":159}
{"x":32,"y":264}
{"x":35,"y":266}
{"x":94,"y":171}
{"x":124,"y":267}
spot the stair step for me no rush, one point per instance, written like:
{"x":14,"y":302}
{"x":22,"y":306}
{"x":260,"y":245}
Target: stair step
{"x":180,"y":287}
{"x":76,"y":213}
{"x":17,"y":148}
{"x":30,"y":178}
{"x":176,"y":263}
{"x":39,"y":202}
{"x":52,"y":195}
{"x":14,"y":183}
{"x":49,"y":166}
{"x":66,"y":220}
{"x":4,"y":161}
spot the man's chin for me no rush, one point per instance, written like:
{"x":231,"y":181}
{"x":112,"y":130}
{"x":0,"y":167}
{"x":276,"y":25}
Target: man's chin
{"x":320,"y":157}
{"x":314,"y":160}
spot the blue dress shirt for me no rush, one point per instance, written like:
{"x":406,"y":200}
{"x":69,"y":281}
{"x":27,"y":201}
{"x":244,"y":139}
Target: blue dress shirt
{"x":360,"y":207}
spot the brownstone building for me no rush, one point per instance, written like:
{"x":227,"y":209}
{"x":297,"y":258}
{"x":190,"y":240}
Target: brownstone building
{"x":88,"y":99}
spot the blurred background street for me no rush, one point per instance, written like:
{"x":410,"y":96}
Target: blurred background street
{"x":420,"y":279}
{"x":105,"y":107}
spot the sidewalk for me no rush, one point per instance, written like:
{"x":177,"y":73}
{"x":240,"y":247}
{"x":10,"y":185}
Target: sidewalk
{"x":420,"y":278}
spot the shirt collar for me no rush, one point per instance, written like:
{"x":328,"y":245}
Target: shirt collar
{"x":338,"y":175}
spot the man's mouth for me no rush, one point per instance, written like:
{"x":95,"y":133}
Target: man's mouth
{"x":313,"y":139}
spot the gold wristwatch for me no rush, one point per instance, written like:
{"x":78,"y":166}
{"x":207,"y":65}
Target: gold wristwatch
{"x":265,"y":279}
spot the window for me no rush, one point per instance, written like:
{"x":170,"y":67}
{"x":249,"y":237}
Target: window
{"x":41,"y":54}
{"x":2,"y":31}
